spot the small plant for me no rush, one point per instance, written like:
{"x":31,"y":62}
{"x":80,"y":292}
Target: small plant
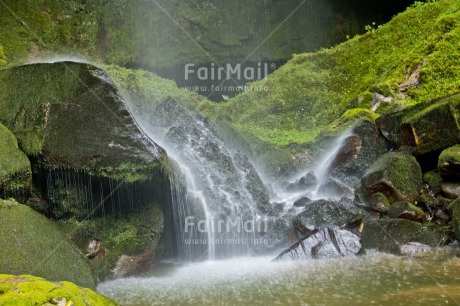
{"x":370,"y":27}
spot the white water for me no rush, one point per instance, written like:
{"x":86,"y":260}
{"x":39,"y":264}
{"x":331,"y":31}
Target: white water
{"x":376,"y":279}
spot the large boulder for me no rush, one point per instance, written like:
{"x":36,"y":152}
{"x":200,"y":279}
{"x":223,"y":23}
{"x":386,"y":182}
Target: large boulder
{"x":31,"y":244}
{"x":326,"y":212}
{"x":327,"y":242}
{"x":388,"y":234}
{"x":359,"y":151}
{"x":426,"y":127}
{"x":71,"y":115}
{"x":396,"y":175}
{"x":449,"y":163}
{"x":32,"y":290}
{"x":454,"y":212}
{"x":15,"y":171}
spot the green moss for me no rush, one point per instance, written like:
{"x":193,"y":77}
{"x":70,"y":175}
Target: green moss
{"x":31,"y":290}
{"x":434,"y":179}
{"x":313,"y":90}
{"x":397,"y":175}
{"x":15,"y":171}
{"x":31,"y":244}
{"x":124,"y":235}
{"x":450,"y":155}
{"x":454,"y":211}
{"x":2,"y":58}
{"x":365,"y":100}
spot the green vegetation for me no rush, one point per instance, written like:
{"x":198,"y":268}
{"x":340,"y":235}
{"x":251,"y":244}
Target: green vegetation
{"x":313,"y":90}
{"x":32,"y":290}
{"x":128,"y":235}
{"x":15,"y":171}
{"x":166,"y":33}
{"x":31,"y":244}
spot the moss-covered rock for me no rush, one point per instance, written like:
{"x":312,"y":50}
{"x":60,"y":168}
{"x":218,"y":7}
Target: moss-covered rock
{"x":454,"y":212}
{"x":396,"y":175}
{"x":379,"y":202}
{"x":31,"y":244}
{"x":386,"y":234}
{"x":449,"y":163}
{"x":2,"y":58}
{"x":131,"y":235}
{"x":359,"y":151}
{"x":435,"y":127}
{"x":32,"y":290}
{"x":72,"y":116}
{"x":433,"y":179}
{"x":15,"y":171}
{"x":406,"y":210}
{"x":450,"y":190}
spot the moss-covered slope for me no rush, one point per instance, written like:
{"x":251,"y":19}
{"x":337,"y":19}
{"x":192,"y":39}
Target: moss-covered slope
{"x":15,"y":172}
{"x":415,"y":57}
{"x":73,"y":116}
{"x":32,"y":290}
{"x":31,"y":244}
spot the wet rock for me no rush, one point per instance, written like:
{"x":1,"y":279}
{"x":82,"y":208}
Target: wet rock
{"x":71,"y":115}
{"x":387,"y":234}
{"x":95,"y":250}
{"x":379,"y":202}
{"x":454,"y":212}
{"x":15,"y":171}
{"x":325,"y":212}
{"x":328,"y":242}
{"x":449,"y":163}
{"x":435,"y":127}
{"x":134,"y":265}
{"x":359,"y":151}
{"x":280,"y":235}
{"x":26,"y":235}
{"x":396,"y":175}
{"x":305,"y":183}
{"x":413,"y":248}
{"x":433,"y":179}
{"x":426,"y":127}
{"x":406,"y":210}
{"x":302,"y":202}
{"x":332,"y":188}
{"x":451,"y":189}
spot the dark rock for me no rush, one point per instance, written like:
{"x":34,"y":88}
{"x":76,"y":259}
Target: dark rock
{"x":406,"y":210}
{"x":302,"y":202}
{"x":15,"y":170}
{"x":324,"y":213}
{"x":433,"y":179}
{"x":379,"y":202}
{"x":451,"y":189}
{"x":436,"y":127}
{"x":305,"y":183}
{"x":72,"y":116}
{"x":332,"y":188}
{"x":280,"y":235}
{"x":359,"y":151}
{"x":387,"y":234}
{"x":413,"y":248}
{"x":398,"y":176}
{"x":449,"y":163}
{"x":426,"y":127}
{"x":134,"y":265}
{"x":454,"y":212}
{"x":328,"y":242}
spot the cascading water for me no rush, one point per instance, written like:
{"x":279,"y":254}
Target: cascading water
{"x":218,"y":197}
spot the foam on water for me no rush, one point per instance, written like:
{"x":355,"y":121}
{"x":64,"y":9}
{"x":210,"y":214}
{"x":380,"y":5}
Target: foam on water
{"x":378,"y":279}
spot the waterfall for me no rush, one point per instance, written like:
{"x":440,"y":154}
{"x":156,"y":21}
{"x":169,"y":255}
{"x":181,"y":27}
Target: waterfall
{"x":217,"y":197}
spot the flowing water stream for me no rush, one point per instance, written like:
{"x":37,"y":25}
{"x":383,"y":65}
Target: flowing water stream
{"x":375,"y":279}
{"x":211,"y":182}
